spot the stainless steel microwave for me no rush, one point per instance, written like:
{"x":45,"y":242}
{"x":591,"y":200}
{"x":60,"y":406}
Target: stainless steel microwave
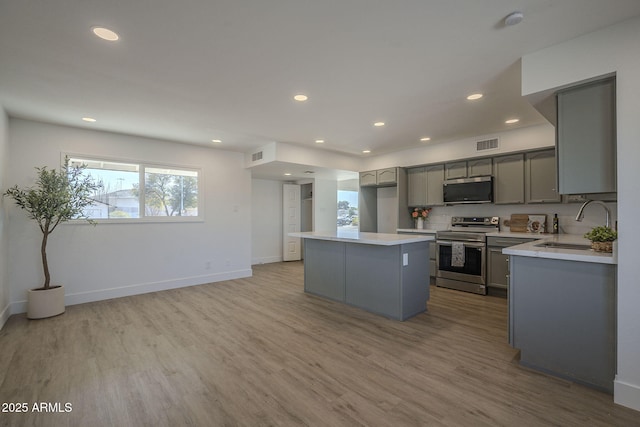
{"x":468,"y":190}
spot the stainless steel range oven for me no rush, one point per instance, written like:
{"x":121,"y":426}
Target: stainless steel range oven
{"x":461,"y":253}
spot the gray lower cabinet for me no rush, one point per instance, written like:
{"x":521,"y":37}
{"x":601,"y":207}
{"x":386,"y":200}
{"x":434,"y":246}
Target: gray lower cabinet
{"x":508,"y":179}
{"x":371,"y":277}
{"x":497,"y":262}
{"x":563,"y":318}
{"x":586,"y":138}
{"x":432,"y":253}
{"x":319,"y":280}
{"x":541,"y":177}
{"x":497,"y":268}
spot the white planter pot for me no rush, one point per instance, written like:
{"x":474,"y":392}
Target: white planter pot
{"x":45,"y":303}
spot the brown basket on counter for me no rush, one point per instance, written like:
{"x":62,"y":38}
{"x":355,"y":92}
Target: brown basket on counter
{"x":602,"y":246}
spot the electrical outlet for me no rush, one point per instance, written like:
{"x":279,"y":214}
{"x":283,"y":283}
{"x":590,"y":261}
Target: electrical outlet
{"x":227,"y":263}
{"x":207,"y":265}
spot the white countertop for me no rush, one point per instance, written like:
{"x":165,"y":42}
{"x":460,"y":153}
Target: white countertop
{"x":354,"y":236}
{"x":417,"y":230}
{"x":531,"y":250}
{"x":519,"y":235}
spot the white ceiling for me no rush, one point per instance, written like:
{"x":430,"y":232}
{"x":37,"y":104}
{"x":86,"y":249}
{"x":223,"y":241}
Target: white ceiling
{"x":198,"y":70}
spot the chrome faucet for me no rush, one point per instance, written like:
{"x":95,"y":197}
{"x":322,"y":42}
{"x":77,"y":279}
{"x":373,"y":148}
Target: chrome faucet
{"x":584,"y":205}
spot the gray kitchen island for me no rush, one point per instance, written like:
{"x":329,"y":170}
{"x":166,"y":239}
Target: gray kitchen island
{"x":386,"y":274}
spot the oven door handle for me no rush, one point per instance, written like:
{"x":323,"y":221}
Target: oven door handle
{"x":467,"y":244}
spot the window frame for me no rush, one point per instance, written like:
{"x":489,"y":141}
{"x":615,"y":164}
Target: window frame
{"x":142,"y":166}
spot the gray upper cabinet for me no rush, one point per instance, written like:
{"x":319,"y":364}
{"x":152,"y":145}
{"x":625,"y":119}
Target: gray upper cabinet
{"x":368,"y":178}
{"x":435,"y":179}
{"x":455,"y":170}
{"x":381,"y":177}
{"x":417,"y":187}
{"x":480,"y":167}
{"x":386,"y":176}
{"x":468,"y":168}
{"x":586,"y":138}
{"x":508,"y":179}
{"x":540,"y":177}
{"x":425,"y":186}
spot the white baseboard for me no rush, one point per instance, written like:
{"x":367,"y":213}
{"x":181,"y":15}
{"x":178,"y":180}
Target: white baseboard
{"x":4,"y":315}
{"x":626,"y":394}
{"x":141,"y":288}
{"x":266,"y":260}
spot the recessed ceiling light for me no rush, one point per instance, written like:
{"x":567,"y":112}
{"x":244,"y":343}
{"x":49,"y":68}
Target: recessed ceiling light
{"x":513,"y":18}
{"x":105,"y":34}
{"x":512,"y":121}
{"x":89,"y":119}
{"x":366,"y":151}
{"x":319,"y":141}
{"x":474,"y":96}
{"x":300,"y":97}
{"x":426,"y":138}
{"x":378,"y":124}
{"x":216,"y":141}
{"x":287,"y":174}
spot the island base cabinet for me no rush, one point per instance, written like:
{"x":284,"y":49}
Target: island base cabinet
{"x":392,"y":281}
{"x":318,"y":279}
{"x":562,"y":318}
{"x":377,"y":280}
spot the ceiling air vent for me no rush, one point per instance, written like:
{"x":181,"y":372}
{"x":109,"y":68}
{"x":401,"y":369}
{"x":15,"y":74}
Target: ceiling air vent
{"x":487,"y":144}
{"x":256,"y":156}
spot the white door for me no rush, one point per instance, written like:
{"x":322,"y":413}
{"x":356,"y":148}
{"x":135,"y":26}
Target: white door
{"x":291,"y":221}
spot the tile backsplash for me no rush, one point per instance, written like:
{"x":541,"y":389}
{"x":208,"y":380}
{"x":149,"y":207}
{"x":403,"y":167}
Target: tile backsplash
{"x":594,"y":215}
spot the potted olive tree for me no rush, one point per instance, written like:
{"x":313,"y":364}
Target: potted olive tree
{"x":57,"y":196}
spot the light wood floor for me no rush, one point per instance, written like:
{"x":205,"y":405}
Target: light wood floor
{"x":259,"y":351}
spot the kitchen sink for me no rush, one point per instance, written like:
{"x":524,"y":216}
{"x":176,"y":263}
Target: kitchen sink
{"x":558,"y":245}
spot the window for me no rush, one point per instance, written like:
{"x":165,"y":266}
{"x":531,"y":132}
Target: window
{"x":142,"y":191}
{"x":347,"y":209}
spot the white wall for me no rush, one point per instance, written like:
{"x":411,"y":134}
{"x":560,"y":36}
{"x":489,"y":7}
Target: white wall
{"x":5,"y":309}
{"x":612,"y":49}
{"x":325,"y":205}
{"x":266,"y":221}
{"x":316,"y":157}
{"x":112,"y":260}
{"x":514,"y":140}
{"x":266,"y":202}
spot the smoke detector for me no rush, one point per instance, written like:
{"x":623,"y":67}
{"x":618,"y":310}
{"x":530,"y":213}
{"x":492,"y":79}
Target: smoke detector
{"x":513,"y":18}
